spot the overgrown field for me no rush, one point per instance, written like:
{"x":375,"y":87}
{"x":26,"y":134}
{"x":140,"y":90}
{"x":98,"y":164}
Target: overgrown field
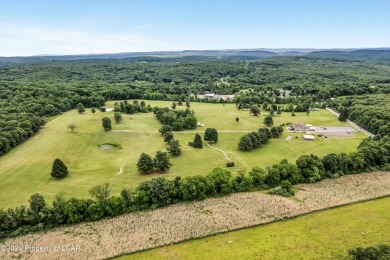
{"x":25,"y":170}
{"x":321,"y":235}
{"x":325,"y":236}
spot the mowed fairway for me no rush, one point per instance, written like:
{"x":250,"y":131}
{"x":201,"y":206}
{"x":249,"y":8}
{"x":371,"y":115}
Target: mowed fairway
{"x":26,"y":169}
{"x":326,"y":234}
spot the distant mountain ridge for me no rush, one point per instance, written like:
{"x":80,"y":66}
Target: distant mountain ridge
{"x":364,"y":53}
{"x":229,"y":54}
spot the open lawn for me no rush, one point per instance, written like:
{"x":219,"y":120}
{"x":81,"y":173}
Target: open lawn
{"x":322,"y":235}
{"x":26,"y":169}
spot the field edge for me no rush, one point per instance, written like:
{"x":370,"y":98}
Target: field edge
{"x":253,"y":226}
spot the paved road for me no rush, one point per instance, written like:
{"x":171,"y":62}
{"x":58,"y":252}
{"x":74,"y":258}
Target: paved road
{"x":351,"y":123}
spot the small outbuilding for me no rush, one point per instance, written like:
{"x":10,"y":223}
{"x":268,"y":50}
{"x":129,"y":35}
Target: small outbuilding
{"x":309,"y":137}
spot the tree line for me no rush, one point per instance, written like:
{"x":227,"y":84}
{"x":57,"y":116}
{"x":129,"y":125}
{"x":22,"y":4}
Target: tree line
{"x":373,"y":154}
{"x":257,"y":139}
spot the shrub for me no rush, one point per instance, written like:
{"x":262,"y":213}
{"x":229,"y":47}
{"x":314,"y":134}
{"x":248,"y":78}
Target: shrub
{"x":229,"y":164}
{"x":281,"y":192}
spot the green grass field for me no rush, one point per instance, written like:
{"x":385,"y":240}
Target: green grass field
{"x":26,"y":169}
{"x":326,"y":234}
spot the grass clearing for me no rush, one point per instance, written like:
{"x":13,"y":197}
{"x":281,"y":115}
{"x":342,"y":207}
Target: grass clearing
{"x":321,"y":235}
{"x":26,"y":169}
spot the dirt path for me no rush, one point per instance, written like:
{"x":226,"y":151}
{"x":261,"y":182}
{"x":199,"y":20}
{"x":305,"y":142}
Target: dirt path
{"x":219,"y":150}
{"x":219,"y":131}
{"x":134,"y":131}
{"x":179,"y":132}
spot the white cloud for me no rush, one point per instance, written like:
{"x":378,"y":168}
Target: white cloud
{"x":24,"y":40}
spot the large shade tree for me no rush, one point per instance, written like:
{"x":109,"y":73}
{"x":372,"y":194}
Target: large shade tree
{"x":211,"y":135}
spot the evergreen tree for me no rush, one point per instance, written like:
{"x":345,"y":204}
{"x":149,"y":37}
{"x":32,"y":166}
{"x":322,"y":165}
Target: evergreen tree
{"x":106,"y":122}
{"x":268,"y":120}
{"x":145,"y":163}
{"x":93,"y":110}
{"x":245,"y":143}
{"x":59,"y":169}
{"x":174,"y":148}
{"x":197,"y":143}
{"x":161,"y":161}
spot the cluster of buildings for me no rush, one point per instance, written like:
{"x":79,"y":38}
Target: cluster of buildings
{"x":302,"y":127}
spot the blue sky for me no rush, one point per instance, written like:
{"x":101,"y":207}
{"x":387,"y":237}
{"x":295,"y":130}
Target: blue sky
{"x":77,"y":27}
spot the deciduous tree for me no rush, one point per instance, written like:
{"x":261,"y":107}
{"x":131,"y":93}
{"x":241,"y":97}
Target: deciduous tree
{"x":80,"y":108}
{"x":145,"y":163}
{"x":100,"y":192}
{"x":118,"y":117}
{"x":211,"y":135}
{"x":72,"y":126}
{"x":254,"y":110}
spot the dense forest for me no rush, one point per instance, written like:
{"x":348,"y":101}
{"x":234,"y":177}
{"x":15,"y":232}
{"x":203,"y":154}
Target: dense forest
{"x":371,"y":112}
{"x":30,"y":93}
